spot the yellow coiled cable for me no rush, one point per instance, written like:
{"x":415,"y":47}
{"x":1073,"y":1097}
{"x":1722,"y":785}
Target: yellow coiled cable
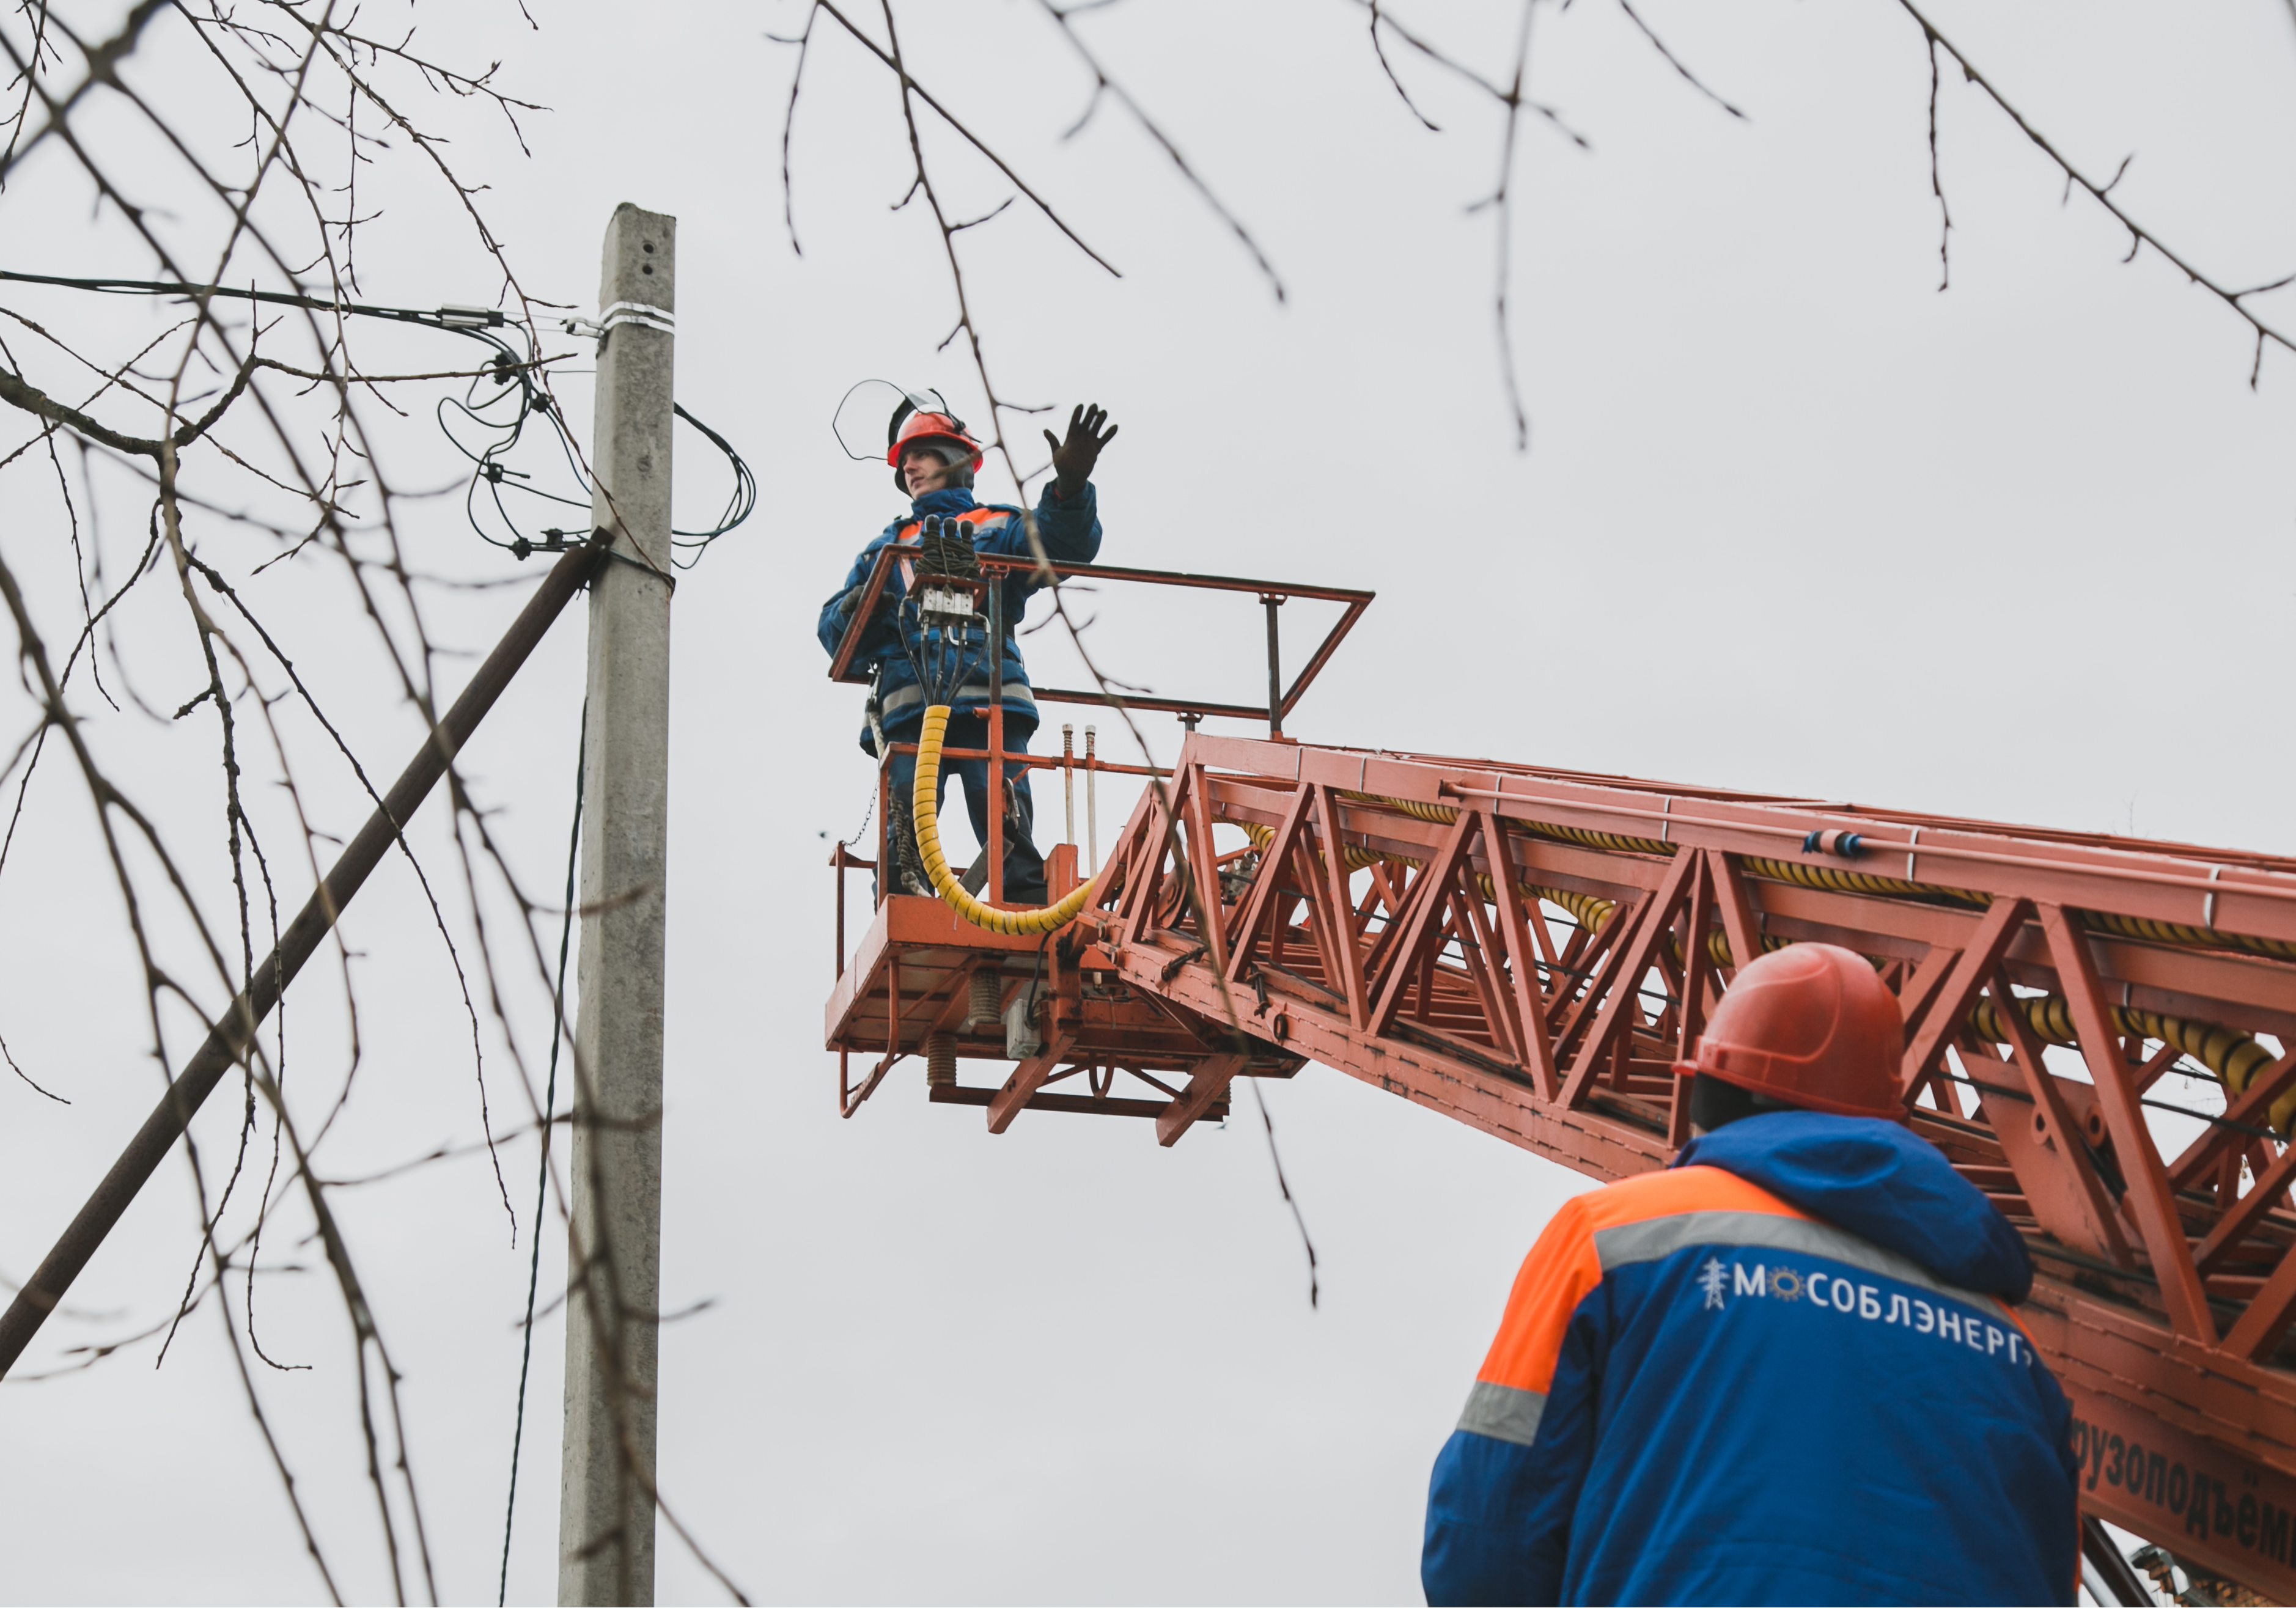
{"x":2176,"y":932}
{"x":2235,"y":1057}
{"x":1591,"y":911}
{"x":1840,"y":880}
{"x":925,"y":810}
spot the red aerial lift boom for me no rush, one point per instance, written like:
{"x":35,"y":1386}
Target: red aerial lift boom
{"x":1529,"y":950}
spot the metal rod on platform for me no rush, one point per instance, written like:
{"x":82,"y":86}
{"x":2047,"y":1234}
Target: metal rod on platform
{"x":837,"y":865}
{"x":996,"y":843}
{"x":1068,"y":779}
{"x":1091,"y":806}
{"x":1274,"y":668}
{"x":235,"y":1030}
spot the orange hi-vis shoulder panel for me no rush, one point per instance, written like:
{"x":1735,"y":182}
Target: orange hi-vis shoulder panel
{"x":1643,"y":1219}
{"x":1566,"y":1262}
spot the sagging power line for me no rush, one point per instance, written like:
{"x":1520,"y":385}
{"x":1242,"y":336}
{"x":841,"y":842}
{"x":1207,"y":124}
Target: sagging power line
{"x":517,"y":377}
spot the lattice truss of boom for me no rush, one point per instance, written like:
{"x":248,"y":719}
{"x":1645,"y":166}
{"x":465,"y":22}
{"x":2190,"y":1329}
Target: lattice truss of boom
{"x":1527,"y":951}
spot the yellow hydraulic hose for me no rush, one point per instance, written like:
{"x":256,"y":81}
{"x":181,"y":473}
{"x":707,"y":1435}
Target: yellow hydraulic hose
{"x":2176,"y":932}
{"x":1840,"y":880}
{"x":1783,"y":871}
{"x":2235,"y":1057}
{"x":925,"y":808}
{"x":1779,"y":871}
{"x":1587,"y":838}
{"x":1597,"y":910}
{"x":1843,"y":880}
{"x":1590,"y":910}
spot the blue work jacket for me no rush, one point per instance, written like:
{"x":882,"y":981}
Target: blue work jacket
{"x":1069,"y":530}
{"x":1784,"y":1371}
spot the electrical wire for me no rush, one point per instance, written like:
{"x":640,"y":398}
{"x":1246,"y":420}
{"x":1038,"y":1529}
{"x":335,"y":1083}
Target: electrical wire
{"x":2211,"y":1118}
{"x":742,"y":504}
{"x":447,"y":317}
{"x":939,"y":644}
{"x":549,"y":1118}
{"x":915,"y":402}
{"x":515,"y":378}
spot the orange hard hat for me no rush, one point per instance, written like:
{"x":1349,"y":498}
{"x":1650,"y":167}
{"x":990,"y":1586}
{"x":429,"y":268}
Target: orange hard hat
{"x":912,"y":425}
{"x":1812,"y":1026}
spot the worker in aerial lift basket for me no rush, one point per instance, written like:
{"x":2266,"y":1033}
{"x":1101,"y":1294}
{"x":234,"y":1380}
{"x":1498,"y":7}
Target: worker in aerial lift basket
{"x":934,"y":459}
{"x":1783,"y":1370}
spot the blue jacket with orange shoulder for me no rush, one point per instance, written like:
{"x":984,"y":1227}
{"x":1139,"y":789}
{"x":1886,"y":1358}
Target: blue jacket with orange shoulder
{"x":1784,"y":1371}
{"x":1070,"y":529}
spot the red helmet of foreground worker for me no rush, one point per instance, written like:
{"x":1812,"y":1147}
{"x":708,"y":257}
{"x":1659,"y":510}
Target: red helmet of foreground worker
{"x":1811,"y":1026}
{"x":943,"y":429}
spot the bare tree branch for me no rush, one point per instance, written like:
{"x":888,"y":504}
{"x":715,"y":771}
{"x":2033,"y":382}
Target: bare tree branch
{"x":2139,"y":236}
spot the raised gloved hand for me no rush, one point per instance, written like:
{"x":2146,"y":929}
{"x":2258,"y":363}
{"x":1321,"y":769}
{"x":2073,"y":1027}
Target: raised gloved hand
{"x":1073,"y":459}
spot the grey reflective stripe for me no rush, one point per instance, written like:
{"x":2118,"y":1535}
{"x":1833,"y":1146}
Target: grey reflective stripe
{"x":1648,"y":1241}
{"x":1503,"y":1413}
{"x":901,"y":698}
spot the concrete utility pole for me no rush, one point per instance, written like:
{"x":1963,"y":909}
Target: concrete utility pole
{"x":613,"y":1264}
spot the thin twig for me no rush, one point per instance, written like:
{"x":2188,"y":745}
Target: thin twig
{"x":2139,"y":236}
{"x":1675,"y":61}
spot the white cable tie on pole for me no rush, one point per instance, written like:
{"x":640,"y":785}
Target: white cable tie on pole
{"x":639,"y":312}
{"x":643,"y":314}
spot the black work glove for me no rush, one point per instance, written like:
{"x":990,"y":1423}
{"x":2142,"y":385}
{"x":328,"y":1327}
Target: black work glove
{"x":1073,"y":459}
{"x":852,"y":601}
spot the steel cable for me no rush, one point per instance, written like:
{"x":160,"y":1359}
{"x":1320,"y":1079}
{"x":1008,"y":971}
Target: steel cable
{"x":542,"y":1171}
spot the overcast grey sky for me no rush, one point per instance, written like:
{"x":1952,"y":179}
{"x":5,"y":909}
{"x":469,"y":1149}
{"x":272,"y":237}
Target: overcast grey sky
{"x":1790,"y":519}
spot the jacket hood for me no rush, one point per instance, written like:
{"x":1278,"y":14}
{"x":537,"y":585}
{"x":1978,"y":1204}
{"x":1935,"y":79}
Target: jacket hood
{"x":948,"y":499}
{"x":1882,"y":1181}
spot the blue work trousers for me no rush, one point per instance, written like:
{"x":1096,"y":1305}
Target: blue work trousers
{"x":1024,"y":868}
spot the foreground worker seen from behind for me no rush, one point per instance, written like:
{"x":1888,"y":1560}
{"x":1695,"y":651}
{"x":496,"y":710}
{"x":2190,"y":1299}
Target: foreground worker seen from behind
{"x":934,"y":459}
{"x":1784,"y":1370}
